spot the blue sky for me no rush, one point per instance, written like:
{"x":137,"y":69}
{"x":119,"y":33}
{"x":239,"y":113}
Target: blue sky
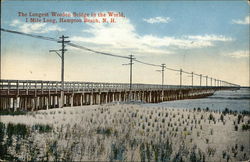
{"x":209,"y":38}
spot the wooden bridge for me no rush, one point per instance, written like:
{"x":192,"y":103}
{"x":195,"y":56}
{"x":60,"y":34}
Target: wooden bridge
{"x":34,"y":95}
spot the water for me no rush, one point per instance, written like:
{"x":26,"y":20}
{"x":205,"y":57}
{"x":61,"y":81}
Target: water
{"x":238,"y":100}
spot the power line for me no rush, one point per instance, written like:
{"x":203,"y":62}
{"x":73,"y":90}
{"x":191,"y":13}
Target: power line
{"x":70,"y":44}
{"x":30,"y":35}
{"x":196,"y":74}
{"x":145,"y":63}
{"x":98,"y":52}
{"x":172,"y":69}
{"x":87,"y":49}
{"x":186,"y":72}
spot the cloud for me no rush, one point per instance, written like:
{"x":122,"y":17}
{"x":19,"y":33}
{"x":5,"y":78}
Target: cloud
{"x":210,"y":38}
{"x":158,"y":20}
{"x":35,"y":27}
{"x":238,"y":54}
{"x":15,"y":22}
{"x":122,"y":37}
{"x":242,"y":22}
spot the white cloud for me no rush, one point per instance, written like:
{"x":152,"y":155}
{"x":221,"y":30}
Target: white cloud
{"x":157,"y":20}
{"x":242,"y":22}
{"x":15,"y":22}
{"x":35,"y":27}
{"x":122,"y":37}
{"x":210,"y":38}
{"x":239,"y":54}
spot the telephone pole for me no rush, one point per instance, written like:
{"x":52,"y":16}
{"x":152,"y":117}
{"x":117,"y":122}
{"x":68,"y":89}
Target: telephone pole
{"x":192,"y":75}
{"x":62,"y":67}
{"x":200,"y":79}
{"x":180,"y":78}
{"x":206,"y":80}
{"x":163,"y":66}
{"x":162,"y":76}
{"x":131,"y":58}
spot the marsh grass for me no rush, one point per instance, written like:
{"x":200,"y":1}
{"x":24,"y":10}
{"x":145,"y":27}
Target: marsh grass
{"x":8,"y":112}
{"x":121,"y":133}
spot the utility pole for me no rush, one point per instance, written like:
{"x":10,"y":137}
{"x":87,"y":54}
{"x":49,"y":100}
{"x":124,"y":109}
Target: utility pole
{"x":131,"y":75}
{"x":61,"y":104}
{"x":200,"y":79}
{"x":211,"y":81}
{"x":215,"y":82}
{"x":206,"y":80}
{"x":192,"y":75}
{"x":131,"y":58}
{"x":180,"y":78}
{"x":163,"y":66}
{"x":162,"y":76}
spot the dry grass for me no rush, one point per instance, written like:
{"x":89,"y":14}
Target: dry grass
{"x":128,"y":133}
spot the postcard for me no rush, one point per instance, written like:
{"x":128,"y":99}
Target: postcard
{"x":124,"y":81}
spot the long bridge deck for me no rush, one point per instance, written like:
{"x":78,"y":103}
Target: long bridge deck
{"x":37,"y":94}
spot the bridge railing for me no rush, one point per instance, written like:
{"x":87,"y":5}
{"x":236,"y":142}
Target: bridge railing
{"x":83,"y":86}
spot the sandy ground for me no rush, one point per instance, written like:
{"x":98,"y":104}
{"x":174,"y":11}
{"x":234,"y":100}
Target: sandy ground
{"x":133,"y":133}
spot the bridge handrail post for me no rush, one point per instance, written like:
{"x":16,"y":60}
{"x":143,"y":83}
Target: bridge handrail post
{"x":99,"y":86}
{"x":35,"y":88}
{"x":82,"y":86}
{"x":42,"y":86}
{"x":27,"y":87}
{"x":102,"y":86}
{"x":8,"y":87}
{"x":56,"y":86}
{"x":17,"y":87}
{"x":52,"y":86}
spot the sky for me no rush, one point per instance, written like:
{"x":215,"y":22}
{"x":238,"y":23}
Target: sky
{"x":205,"y":37}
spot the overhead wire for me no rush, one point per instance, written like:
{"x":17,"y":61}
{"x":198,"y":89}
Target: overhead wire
{"x":91,"y":50}
{"x":98,"y":52}
{"x":145,"y":63}
{"x":30,"y":35}
{"x":84,"y":48}
{"x":70,"y":44}
{"x":172,"y":69}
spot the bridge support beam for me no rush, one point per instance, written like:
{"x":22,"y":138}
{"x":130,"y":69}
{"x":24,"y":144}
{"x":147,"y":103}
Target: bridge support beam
{"x":38,"y":99}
